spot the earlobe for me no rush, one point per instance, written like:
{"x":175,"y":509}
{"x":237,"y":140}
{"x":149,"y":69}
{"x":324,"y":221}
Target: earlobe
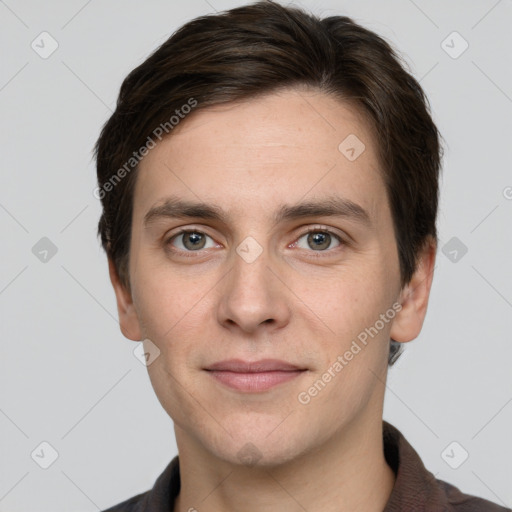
{"x":128,"y":319}
{"x":414,"y":297}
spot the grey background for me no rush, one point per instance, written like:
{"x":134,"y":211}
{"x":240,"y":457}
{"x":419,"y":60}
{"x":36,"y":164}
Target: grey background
{"x":69,"y":377}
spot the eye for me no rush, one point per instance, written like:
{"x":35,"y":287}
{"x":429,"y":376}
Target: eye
{"x":190,"y":241}
{"x":319,"y":240}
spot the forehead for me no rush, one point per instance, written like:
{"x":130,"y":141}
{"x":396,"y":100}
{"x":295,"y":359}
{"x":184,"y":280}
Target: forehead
{"x":254,"y":154}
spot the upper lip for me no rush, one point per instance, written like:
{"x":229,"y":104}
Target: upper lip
{"x":263,"y":365}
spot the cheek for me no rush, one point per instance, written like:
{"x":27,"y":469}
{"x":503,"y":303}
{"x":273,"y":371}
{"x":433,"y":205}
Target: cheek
{"x":354,"y":348}
{"x":164,"y":299}
{"x":347,"y":301}
{"x":172,"y":313}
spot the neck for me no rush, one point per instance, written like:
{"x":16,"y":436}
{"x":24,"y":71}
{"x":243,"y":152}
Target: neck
{"x":347,"y":473}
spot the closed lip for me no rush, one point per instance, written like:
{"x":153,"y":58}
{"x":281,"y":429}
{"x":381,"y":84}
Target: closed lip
{"x":263,"y":365}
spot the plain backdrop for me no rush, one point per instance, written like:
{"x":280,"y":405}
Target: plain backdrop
{"x":70,"y":379}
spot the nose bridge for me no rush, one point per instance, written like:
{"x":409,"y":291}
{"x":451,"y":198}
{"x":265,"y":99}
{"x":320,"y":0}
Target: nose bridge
{"x":250,"y":268}
{"x":250,"y":296}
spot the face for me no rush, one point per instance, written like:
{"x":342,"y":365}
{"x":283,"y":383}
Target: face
{"x":290,"y":258}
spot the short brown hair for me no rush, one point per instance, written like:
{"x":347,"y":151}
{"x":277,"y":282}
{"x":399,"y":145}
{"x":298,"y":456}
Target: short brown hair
{"x":258,"y":49}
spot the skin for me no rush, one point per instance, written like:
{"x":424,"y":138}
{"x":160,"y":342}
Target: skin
{"x":250,"y":158}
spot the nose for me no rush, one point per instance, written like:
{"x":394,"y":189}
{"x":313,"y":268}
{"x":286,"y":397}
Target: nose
{"x":253,"y":295}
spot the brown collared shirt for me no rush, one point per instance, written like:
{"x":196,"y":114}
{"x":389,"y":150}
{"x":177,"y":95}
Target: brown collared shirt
{"x":415,"y":489}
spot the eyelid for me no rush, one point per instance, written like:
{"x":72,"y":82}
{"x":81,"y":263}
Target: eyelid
{"x":326,"y":229}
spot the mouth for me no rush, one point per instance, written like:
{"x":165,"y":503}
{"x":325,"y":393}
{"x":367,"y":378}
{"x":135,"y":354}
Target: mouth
{"x":254,"y":377}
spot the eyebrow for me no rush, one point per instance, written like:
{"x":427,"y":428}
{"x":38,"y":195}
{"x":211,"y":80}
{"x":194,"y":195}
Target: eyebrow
{"x":176,"y":208}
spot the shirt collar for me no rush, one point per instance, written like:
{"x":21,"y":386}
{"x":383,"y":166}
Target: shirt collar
{"x":414,"y":488}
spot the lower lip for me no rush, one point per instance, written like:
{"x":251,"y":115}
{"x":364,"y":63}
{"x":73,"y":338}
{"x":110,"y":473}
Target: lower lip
{"x":254,"y":382}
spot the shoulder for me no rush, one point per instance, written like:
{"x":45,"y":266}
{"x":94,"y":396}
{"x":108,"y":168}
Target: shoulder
{"x":160,"y":498}
{"x":133,"y":504}
{"x":460,"y":502}
{"x":416,"y":488}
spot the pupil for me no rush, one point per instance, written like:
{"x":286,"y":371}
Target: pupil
{"x":194,"y":240}
{"x":320,"y":240}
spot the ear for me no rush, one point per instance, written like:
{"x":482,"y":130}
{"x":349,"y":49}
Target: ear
{"x":128,"y":319}
{"x":414,"y":297}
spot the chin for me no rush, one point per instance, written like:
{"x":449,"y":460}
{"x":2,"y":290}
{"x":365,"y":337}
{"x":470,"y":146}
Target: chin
{"x":249,"y":448}
{"x":250,"y":455}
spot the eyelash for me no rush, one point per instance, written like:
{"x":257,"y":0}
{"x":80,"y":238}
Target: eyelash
{"x":317,"y":229}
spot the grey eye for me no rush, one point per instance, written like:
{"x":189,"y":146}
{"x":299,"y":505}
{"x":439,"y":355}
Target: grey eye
{"x":318,"y":240}
{"x":191,"y":240}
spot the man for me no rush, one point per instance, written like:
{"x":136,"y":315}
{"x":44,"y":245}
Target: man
{"x":269,"y":183}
